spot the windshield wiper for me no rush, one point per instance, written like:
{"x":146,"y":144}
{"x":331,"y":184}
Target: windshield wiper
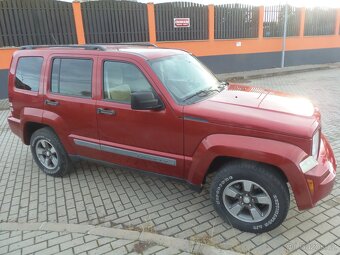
{"x":203,"y":92}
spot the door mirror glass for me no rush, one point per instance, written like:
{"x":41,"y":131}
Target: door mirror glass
{"x":145,"y":101}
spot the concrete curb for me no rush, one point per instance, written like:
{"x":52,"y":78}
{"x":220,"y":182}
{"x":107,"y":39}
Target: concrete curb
{"x":167,"y":241}
{"x":255,"y":74}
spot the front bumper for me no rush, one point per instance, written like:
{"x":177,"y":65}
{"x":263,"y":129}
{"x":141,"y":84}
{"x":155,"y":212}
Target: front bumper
{"x":321,"y":178}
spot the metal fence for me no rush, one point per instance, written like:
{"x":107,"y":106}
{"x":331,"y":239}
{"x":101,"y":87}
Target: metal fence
{"x":36,"y":22}
{"x":274,"y":17}
{"x":319,"y":21}
{"x":165,"y":13}
{"x":236,"y":21}
{"x":108,"y":21}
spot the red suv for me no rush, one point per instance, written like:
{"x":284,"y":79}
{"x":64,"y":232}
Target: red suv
{"x":162,"y":111}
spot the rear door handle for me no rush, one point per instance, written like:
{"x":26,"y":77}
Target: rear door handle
{"x":105,"y":111}
{"x":51,"y":102}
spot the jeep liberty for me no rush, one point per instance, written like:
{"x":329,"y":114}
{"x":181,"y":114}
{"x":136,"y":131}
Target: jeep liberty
{"x":162,"y":111}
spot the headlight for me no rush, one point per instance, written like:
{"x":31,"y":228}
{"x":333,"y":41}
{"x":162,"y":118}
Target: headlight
{"x":316,"y":144}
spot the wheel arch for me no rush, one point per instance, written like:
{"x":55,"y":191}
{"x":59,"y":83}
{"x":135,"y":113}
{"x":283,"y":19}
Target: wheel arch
{"x":219,"y":161}
{"x":221,"y":148}
{"x":30,"y":127}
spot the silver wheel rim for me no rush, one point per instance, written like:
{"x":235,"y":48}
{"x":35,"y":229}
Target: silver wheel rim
{"x":247,"y":201}
{"x":47,"y":154}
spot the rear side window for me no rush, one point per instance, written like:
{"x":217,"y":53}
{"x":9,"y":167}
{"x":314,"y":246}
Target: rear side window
{"x":28,"y":73}
{"x":72,"y":77}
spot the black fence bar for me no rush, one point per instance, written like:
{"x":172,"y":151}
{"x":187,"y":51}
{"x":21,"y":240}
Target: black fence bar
{"x":236,"y":21}
{"x":36,"y":22}
{"x":108,"y":21}
{"x":274,"y":17}
{"x":165,"y":13}
{"x":320,"y":21}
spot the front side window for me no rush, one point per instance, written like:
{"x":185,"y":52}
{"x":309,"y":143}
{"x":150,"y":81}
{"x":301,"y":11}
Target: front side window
{"x":185,"y":77}
{"x":72,"y":77}
{"x":122,"y":79}
{"x":28,"y":73}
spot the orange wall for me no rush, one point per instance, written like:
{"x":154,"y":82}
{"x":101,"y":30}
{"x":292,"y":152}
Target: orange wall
{"x":78,"y":18}
{"x":256,"y":45}
{"x":225,"y":47}
{"x":151,"y":22}
{"x":5,"y":57}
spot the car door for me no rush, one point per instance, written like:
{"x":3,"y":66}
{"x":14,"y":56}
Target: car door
{"x":69,"y":105}
{"x":150,"y":140}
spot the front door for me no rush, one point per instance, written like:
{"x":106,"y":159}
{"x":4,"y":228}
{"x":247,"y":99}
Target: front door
{"x":150,"y":140}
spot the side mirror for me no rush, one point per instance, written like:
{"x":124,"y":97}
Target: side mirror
{"x":145,"y":101}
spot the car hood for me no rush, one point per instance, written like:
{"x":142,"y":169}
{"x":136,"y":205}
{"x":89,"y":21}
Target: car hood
{"x":257,"y":108}
{"x":247,"y":96}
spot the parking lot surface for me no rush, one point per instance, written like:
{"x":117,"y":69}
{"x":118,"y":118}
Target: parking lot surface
{"x":118,"y":198}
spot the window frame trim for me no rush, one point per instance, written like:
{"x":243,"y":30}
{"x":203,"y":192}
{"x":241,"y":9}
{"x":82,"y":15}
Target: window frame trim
{"x":49,"y":87}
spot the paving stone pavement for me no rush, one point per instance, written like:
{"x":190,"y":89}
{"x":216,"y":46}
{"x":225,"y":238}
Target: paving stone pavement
{"x":115,"y":197}
{"x":45,"y":242}
{"x":3,"y":104}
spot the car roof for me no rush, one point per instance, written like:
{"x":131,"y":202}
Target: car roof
{"x":152,"y":53}
{"x":145,"y":50}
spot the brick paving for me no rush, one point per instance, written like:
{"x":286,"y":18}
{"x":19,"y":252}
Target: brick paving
{"x":3,"y":104}
{"x":115,"y":197}
{"x":45,"y":243}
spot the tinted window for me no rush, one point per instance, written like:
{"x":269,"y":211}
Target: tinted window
{"x":122,"y":79}
{"x":28,"y":73}
{"x":72,"y":77}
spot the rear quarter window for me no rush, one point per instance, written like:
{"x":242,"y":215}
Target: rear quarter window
{"x":27,"y":75}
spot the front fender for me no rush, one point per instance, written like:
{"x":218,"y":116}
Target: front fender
{"x":282,"y":155}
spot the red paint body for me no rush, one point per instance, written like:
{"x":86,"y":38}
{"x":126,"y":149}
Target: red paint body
{"x":240,"y":122}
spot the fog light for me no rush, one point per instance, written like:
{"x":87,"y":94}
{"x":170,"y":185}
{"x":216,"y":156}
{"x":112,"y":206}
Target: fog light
{"x":310,"y":185}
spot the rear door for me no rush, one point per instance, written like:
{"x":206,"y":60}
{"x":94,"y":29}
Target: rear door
{"x":69,"y":103}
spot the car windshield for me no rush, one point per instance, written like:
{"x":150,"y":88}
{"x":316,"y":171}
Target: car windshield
{"x":185,"y":78}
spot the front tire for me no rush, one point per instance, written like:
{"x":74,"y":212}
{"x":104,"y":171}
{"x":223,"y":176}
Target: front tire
{"x":49,"y":154}
{"x":250,"y":196}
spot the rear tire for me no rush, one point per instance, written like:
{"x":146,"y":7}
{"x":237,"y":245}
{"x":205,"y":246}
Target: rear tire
{"x":49,"y":154}
{"x":250,"y":196}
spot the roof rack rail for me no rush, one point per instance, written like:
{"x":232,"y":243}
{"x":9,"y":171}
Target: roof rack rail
{"x":85,"y":46}
{"x":132,"y":43}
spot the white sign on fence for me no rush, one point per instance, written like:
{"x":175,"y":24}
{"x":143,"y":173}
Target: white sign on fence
{"x":181,"y":22}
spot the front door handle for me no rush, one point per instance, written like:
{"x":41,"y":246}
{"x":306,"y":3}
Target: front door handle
{"x":105,"y":111}
{"x":51,"y":102}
